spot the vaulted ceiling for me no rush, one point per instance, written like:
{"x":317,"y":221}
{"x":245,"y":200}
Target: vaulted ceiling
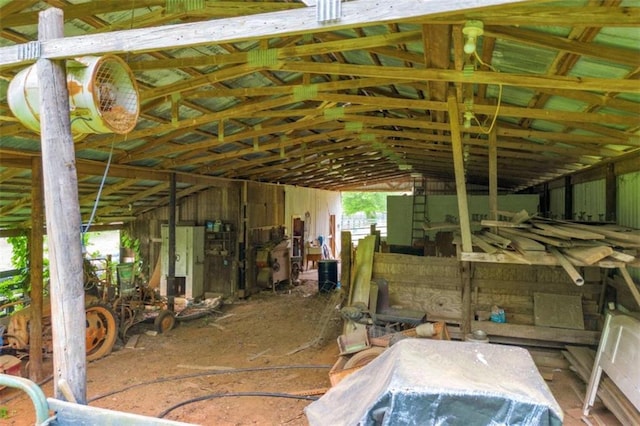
{"x":262,"y":91}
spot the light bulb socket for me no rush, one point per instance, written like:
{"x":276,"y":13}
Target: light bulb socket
{"x":468,"y":116}
{"x":472,"y":29}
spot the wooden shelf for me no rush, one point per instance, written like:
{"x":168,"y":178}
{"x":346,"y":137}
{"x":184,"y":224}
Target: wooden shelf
{"x":220,"y":241}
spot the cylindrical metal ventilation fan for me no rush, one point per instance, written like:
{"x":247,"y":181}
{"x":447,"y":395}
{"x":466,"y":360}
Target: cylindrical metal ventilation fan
{"x":103,"y":96}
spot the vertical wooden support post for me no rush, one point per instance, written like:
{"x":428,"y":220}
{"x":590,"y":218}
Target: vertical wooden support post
{"x":458,"y":165}
{"x":63,"y":218}
{"x":568,"y":198}
{"x":346,"y":250}
{"x":171,"y":273}
{"x":545,"y":200}
{"x":466,"y":274}
{"x":373,"y":231}
{"x":244,"y":242}
{"x":611,"y":194}
{"x":35,"y":271}
{"x":463,"y":212}
{"x":493,"y":175}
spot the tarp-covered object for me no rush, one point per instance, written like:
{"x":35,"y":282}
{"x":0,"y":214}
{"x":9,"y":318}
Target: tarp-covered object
{"x":433,"y":382}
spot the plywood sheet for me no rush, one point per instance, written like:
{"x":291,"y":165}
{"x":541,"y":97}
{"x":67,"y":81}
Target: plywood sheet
{"x":362,"y":273}
{"x":558,"y":310}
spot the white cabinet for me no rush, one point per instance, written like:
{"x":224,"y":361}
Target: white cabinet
{"x":189,"y":261}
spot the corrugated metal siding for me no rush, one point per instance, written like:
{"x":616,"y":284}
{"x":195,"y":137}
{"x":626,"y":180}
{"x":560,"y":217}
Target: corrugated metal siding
{"x":628,"y":207}
{"x":589,"y":200}
{"x":556,"y":204}
{"x":628,"y":203}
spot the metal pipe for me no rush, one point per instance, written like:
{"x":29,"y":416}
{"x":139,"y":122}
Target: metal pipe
{"x":35,"y":393}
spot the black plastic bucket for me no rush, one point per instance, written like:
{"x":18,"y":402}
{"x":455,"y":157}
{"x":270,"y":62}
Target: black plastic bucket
{"x":327,"y":275}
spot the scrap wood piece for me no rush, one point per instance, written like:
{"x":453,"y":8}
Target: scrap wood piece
{"x":582,"y":360}
{"x":362,"y":271}
{"x":588,"y":255}
{"x":518,"y":258}
{"x":556,"y":242}
{"x":503,"y":224}
{"x":132,"y":342}
{"x":558,"y":310}
{"x":567,"y":266}
{"x":479,"y":241}
{"x":630,"y":237}
{"x":549,"y":233}
{"x":440,"y":226}
{"x":218,"y":326}
{"x":619,"y":243}
{"x":570,"y":232}
{"x":520,"y":242}
{"x":223,"y":317}
{"x":259,"y":354}
{"x":632,"y":286}
{"x":520,"y":217}
{"x":622,"y":257}
{"x":498,"y":240}
{"x":302,"y":347}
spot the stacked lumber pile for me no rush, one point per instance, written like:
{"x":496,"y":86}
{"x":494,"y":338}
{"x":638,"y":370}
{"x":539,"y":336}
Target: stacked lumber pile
{"x":581,"y":360}
{"x":572,"y":243}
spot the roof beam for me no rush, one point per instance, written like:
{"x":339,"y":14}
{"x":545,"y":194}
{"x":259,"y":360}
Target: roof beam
{"x":546,"y":41}
{"x":298,"y":21}
{"x":344,"y":44}
{"x":553,"y":14}
{"x":520,"y":80}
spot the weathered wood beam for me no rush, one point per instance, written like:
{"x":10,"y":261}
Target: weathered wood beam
{"x":227,"y":73}
{"x":547,"y":41}
{"x":298,"y":21}
{"x":458,"y":162}
{"x":545,"y":15}
{"x":36,"y":239}
{"x":505,"y":110}
{"x":340,"y":45}
{"x":63,"y":219}
{"x":107,"y":140}
{"x":72,"y":11}
{"x":520,"y":80}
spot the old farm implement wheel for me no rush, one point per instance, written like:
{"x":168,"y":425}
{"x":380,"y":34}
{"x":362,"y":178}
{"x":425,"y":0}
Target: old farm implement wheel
{"x":165,"y":321}
{"x":363,"y":358}
{"x":102,"y":331}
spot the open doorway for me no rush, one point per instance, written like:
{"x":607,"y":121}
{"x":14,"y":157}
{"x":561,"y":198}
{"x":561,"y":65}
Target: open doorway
{"x":297,"y":239}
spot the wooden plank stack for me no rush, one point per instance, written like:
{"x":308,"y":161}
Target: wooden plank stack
{"x":581,"y":360}
{"x":579,"y":243}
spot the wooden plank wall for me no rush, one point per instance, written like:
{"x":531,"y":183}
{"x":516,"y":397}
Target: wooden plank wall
{"x":433,"y":284}
{"x":211,"y":204}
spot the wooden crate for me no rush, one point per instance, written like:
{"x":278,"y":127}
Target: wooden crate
{"x":338,"y":372}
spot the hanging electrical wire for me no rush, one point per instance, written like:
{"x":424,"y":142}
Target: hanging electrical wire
{"x":495,"y":116}
{"x":86,"y":227}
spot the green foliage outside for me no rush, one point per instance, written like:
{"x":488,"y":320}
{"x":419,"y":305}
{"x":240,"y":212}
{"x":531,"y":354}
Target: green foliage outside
{"x":20,"y":284}
{"x":15,"y":287}
{"x":128,"y":241}
{"x":368,"y":203}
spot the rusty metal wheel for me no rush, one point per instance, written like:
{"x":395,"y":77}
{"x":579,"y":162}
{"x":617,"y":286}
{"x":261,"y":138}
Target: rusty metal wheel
{"x":165,"y":321}
{"x":102,"y":331}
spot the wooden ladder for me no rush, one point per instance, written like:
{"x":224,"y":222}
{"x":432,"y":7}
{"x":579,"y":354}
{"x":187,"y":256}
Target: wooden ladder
{"x":419,"y":210}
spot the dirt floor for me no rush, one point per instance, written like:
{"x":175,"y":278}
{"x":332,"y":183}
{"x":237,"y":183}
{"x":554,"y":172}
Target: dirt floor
{"x":256,"y":345}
